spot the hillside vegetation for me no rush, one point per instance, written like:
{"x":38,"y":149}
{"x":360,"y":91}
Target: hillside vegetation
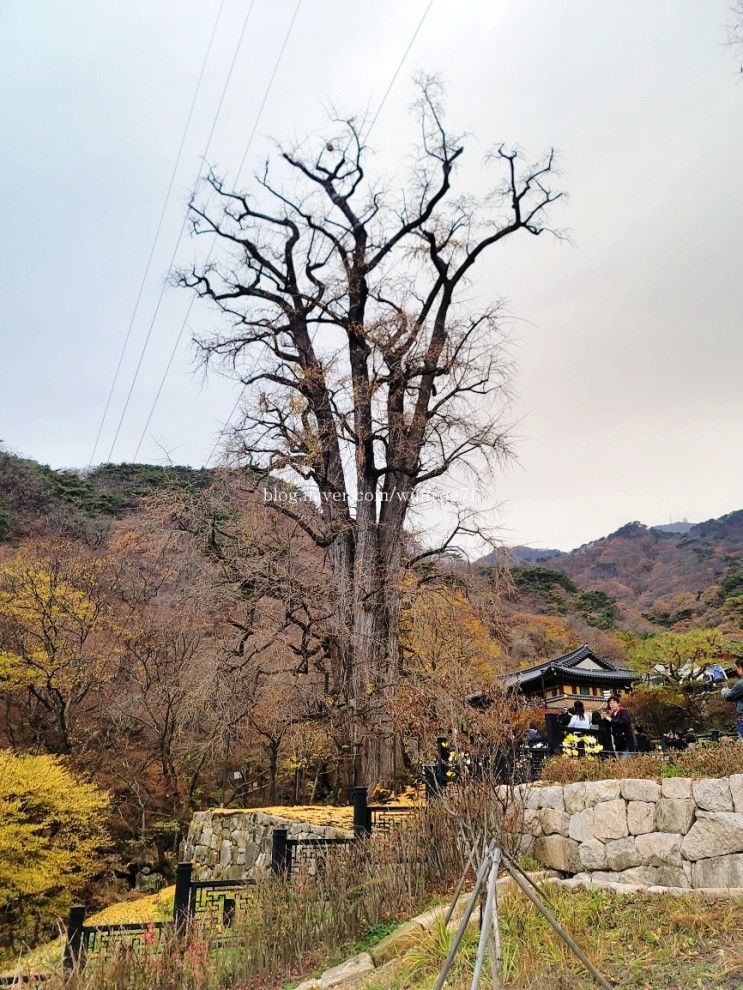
{"x":35,"y":498}
{"x":164,"y":634}
{"x":642,"y":578}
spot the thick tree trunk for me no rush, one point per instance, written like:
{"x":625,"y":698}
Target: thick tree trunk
{"x":375,"y":652}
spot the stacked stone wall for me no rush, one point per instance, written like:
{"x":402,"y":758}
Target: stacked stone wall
{"x":236,"y":845}
{"x":676,"y":832}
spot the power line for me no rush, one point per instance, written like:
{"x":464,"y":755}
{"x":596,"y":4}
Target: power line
{"x":256,"y":122}
{"x":387,"y":92}
{"x":399,"y":67}
{"x":164,"y":287}
{"x":128,"y":333}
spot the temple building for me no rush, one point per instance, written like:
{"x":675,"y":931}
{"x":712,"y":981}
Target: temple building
{"x":577,"y":676}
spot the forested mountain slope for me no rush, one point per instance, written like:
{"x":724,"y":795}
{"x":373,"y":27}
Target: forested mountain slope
{"x":669,"y":579}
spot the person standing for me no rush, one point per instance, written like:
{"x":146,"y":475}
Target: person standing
{"x":602,"y":720}
{"x":579,"y":719}
{"x":735,"y":693}
{"x":621,"y":726}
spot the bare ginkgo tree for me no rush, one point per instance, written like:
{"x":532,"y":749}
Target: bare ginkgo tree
{"x":367,"y":371}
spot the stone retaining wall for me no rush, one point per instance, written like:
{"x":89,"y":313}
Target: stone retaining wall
{"x":236,"y":845}
{"x":676,"y":833}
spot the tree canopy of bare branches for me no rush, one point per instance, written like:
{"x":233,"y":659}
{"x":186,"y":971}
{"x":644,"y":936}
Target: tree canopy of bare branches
{"x":367,"y":371}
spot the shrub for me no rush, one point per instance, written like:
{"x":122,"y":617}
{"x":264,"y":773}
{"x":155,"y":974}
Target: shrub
{"x":714,"y":761}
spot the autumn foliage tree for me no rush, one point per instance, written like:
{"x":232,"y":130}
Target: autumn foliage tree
{"x":56,"y":637}
{"x":52,"y":833}
{"x":368,"y":373}
{"x":677,"y":660}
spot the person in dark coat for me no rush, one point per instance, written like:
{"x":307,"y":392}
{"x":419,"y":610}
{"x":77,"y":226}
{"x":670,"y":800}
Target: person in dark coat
{"x":621,"y":726}
{"x":642,"y":741}
{"x":600,"y":718}
{"x":672,"y":740}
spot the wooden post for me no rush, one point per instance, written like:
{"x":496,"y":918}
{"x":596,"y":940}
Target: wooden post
{"x":73,"y":945}
{"x":462,"y":880}
{"x":279,"y":852}
{"x":482,"y":870}
{"x":181,"y":902}
{"x":443,"y":752}
{"x":487,"y":932}
{"x":567,"y":939}
{"x":554,"y":731}
{"x":361,"y":816}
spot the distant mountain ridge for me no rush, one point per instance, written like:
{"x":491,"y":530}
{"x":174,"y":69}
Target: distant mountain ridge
{"x":670,"y":575}
{"x":535,"y":555}
{"x":674,"y":527}
{"x":530,"y":555}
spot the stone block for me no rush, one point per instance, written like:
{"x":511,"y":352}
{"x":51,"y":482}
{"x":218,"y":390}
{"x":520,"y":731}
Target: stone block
{"x":641,"y":790}
{"x":719,"y":871}
{"x":546,"y":797}
{"x":252,"y":851}
{"x":349,"y":970}
{"x":574,"y":796}
{"x":610,"y":819}
{"x":645,"y":876}
{"x":660,"y":848}
{"x":713,"y":794}
{"x":592,"y":855}
{"x":558,"y":853}
{"x":676,"y":788}
{"x":581,"y":826}
{"x":672,"y":876}
{"x":622,"y":854}
{"x":640,"y":816}
{"x":530,"y":821}
{"x":598,"y":791}
{"x":602,"y":876}
{"x":429,"y":918}
{"x":225,"y":853}
{"x":717,"y":833}
{"x":553,"y":821}
{"x":675,"y":815}
{"x":736,"y":791}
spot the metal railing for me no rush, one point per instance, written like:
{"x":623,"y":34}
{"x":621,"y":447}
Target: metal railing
{"x":216,"y":901}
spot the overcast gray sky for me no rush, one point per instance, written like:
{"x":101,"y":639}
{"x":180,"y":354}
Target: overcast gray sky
{"x":627,"y":341}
